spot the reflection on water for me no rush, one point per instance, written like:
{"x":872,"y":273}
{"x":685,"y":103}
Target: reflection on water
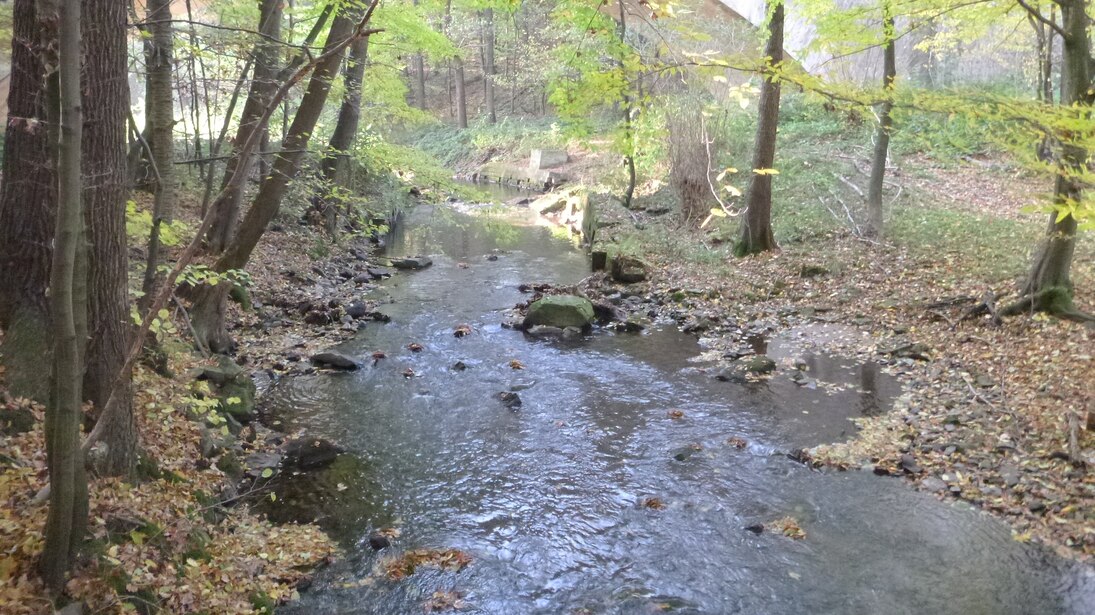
{"x":546,"y":499}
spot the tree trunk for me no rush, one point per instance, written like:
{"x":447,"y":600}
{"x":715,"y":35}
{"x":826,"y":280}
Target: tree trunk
{"x":264,"y":84}
{"x":1047,"y":61}
{"x":629,"y":138}
{"x":336,"y":163}
{"x":1049,"y":287}
{"x":27,"y":212}
{"x":420,"y":79}
{"x":885,"y":127}
{"x":68,"y":506}
{"x":488,"y":65}
{"x":207,"y":314}
{"x":461,"y":95}
{"x":106,"y":98}
{"x":160,"y":111}
{"x":756,"y":227}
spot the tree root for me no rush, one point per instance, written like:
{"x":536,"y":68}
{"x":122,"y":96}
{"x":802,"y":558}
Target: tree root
{"x":1054,"y":301}
{"x":986,"y":306}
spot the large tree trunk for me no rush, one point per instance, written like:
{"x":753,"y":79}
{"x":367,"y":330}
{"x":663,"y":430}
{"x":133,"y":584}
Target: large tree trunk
{"x":264,"y":84}
{"x":160,"y":112}
{"x":106,"y":98}
{"x":1049,"y":287}
{"x":885,"y":127}
{"x":68,"y":506}
{"x":208,"y":311}
{"x":27,"y":206}
{"x":488,"y":65}
{"x":756,"y":227}
{"x":337,"y":162}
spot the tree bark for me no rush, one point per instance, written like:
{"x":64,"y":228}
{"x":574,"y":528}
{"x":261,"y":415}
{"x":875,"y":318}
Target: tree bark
{"x":264,"y":84}
{"x":420,"y":79}
{"x":208,"y":310}
{"x":629,"y":157}
{"x":461,"y":95}
{"x":106,"y":98}
{"x":488,"y":65}
{"x":160,"y":122}
{"x":875,"y":212}
{"x":1049,"y":286}
{"x":67,"y":519}
{"x":756,"y":227}
{"x":336,"y":163}
{"x":27,"y":213}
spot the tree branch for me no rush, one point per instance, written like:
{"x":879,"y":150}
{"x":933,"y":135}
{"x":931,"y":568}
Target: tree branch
{"x":1035,"y":13}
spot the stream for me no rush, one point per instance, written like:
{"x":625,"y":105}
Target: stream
{"x":547,"y":500}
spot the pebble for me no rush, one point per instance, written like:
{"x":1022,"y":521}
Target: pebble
{"x":933,"y":484}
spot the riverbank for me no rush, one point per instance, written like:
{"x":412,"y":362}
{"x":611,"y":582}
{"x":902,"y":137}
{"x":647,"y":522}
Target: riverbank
{"x":182,"y":536}
{"x":992,"y":414}
{"x":176,"y":538}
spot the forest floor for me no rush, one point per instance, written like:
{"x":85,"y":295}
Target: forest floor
{"x":172,"y":540}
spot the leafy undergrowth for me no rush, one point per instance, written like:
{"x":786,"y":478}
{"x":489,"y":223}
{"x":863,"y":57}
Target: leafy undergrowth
{"x":162,"y":545}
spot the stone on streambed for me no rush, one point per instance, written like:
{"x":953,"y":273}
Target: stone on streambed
{"x":560,"y":311}
{"x":759,"y":364}
{"x":379,"y":541}
{"x":357,"y":309}
{"x":412,"y":263}
{"x":334,"y":360}
{"x":509,"y":399}
{"x":309,"y":453}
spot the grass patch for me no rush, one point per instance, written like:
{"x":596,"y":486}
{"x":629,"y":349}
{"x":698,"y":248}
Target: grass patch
{"x":993,"y":249}
{"x":481,"y":141}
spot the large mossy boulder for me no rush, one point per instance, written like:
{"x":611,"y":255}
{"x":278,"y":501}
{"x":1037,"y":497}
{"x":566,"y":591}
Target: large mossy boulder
{"x":560,"y":311}
{"x":233,"y":387}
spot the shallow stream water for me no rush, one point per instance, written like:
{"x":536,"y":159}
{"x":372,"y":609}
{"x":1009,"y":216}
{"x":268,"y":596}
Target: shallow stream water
{"x":548,"y":499}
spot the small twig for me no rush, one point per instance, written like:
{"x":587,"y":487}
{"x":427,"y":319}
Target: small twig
{"x":190,"y":325}
{"x":145,"y":146}
{"x":848,"y":182}
{"x":981,"y":398}
{"x":953,"y":323}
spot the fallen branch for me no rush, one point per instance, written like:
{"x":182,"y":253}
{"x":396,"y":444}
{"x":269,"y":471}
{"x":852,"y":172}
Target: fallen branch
{"x":987,"y":305}
{"x":979,"y":397}
{"x":848,"y":182}
{"x":1074,"y":440}
{"x":190,"y":326}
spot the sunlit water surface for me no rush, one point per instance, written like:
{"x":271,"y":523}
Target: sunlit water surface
{"x":547,"y":500}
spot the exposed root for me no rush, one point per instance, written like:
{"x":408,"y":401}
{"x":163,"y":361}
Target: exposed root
{"x":1055,"y":301}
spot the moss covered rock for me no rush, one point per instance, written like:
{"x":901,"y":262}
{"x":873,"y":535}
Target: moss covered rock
{"x":560,"y":311}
